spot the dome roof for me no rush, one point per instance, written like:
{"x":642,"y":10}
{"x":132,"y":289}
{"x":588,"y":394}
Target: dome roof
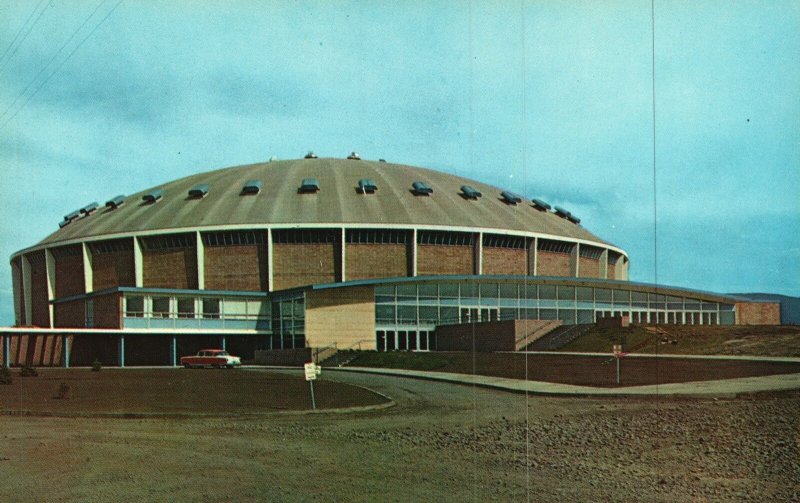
{"x":339,"y":201}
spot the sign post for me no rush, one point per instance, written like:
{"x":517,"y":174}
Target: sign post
{"x":312,"y":370}
{"x":618,"y":354}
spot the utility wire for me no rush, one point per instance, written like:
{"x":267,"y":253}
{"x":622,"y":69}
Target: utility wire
{"x":52,"y":59}
{"x":20,"y":30}
{"x":61,"y":65}
{"x":4,"y":65}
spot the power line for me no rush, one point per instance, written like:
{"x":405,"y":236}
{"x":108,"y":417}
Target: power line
{"x":4,"y":65}
{"x":61,"y":64}
{"x":20,"y":29}
{"x":52,"y":59}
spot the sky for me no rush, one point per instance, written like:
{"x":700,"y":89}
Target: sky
{"x":672,"y":133}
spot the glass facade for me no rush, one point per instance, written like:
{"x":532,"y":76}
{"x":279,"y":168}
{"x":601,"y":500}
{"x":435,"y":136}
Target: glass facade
{"x":282,"y":321}
{"x":422,"y":306}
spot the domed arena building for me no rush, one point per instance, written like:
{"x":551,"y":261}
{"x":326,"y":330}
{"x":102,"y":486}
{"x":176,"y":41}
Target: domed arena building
{"x":321,"y":252}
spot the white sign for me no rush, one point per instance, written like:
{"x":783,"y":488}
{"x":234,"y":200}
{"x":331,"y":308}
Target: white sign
{"x":312,"y":371}
{"x":617,"y":349}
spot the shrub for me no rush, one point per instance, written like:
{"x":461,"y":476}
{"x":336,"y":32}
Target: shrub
{"x":63,"y":391}
{"x":28,"y":371}
{"x":5,"y":376}
{"x":96,"y":365}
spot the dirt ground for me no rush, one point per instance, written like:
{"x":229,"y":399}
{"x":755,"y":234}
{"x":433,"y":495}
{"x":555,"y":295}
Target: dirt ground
{"x":174,"y":391}
{"x":596,"y":370}
{"x":752,"y":340}
{"x":441,"y":442}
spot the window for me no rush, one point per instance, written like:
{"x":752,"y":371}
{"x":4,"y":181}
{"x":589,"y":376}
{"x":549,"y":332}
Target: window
{"x":90,"y":313}
{"x":185,"y":308}
{"x":134,"y":306}
{"x":211,"y":308}
{"x":503,"y":241}
{"x":160,"y":307}
{"x":382,"y":236}
{"x":444,"y":238}
{"x":591,"y":252}
{"x":547,"y":245}
{"x":305,"y":236}
{"x":169,"y":242}
{"x":234,"y":238}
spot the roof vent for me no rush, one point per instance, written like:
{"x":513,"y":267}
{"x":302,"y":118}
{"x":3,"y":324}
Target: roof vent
{"x":469,"y":192}
{"x":381,"y":160}
{"x":116,"y":202}
{"x":152,"y":196}
{"x":566,"y":214}
{"x":540,"y":205}
{"x":311,"y":155}
{"x":72,"y":216}
{"x":421,"y":189}
{"x":273,"y":158}
{"x":309,"y":185}
{"x":354,"y":156}
{"x":89,"y":209}
{"x":510,"y":197}
{"x":199,"y":191}
{"x":252,"y":187}
{"x":367,"y":186}
{"x":64,"y":223}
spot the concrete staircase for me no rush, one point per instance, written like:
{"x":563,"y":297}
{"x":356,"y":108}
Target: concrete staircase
{"x":536,"y":329}
{"x":559,"y":337}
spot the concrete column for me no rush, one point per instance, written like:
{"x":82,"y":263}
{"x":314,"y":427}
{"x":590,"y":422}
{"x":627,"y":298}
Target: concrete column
{"x":270,"y":280}
{"x":414,"y":252}
{"x":88,"y":275}
{"x":65,"y":351}
{"x":604,"y":264}
{"x":26,"y":286}
{"x":138,"y":265}
{"x":121,"y":350}
{"x":533,"y":257}
{"x":50,"y":267}
{"x":6,"y":350}
{"x":343,"y":258}
{"x":223,"y":342}
{"x":16,"y":287}
{"x":479,"y":253}
{"x":173,"y":351}
{"x":576,"y":260}
{"x":201,"y":262}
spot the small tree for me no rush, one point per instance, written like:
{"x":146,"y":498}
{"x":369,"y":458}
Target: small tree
{"x":28,"y":371}
{"x":5,"y":376}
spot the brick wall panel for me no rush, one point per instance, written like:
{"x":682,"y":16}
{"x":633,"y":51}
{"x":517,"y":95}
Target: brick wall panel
{"x":69,"y":271}
{"x":758,"y":313}
{"x":304,"y":264}
{"x":438,"y":259}
{"x":504,"y":260}
{"x":236,"y":267}
{"x":70,"y":314}
{"x":174,"y":268}
{"x":108,"y":311}
{"x":40,"y":305}
{"x":553,"y":264}
{"x":589,"y":268}
{"x":367,"y":261}
{"x":112,"y":269}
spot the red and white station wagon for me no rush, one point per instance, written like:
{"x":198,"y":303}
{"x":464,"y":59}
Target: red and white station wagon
{"x":215,"y":358}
